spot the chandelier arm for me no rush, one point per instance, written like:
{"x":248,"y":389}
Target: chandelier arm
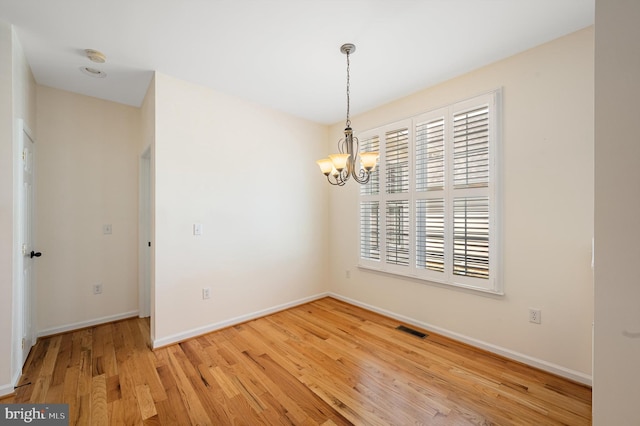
{"x":329,"y":180}
{"x":339,"y":180}
{"x":346,"y":172}
{"x":359,"y":175}
{"x":355,"y":147}
{"x":362,"y":177}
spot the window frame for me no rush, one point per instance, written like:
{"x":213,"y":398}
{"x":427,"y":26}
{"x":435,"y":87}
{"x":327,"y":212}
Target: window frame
{"x":494,"y":283}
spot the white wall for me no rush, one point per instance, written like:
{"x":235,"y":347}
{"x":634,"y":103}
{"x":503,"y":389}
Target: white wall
{"x":24,"y":94}
{"x":6,"y":208}
{"x":17,"y":101}
{"x":247,"y":174}
{"x":547,"y":164}
{"x":87,"y":176}
{"x":616,"y":390}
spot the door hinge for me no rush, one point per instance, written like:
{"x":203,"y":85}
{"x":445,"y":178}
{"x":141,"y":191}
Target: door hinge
{"x":22,"y":343}
{"x":24,"y":155}
{"x":24,"y":249}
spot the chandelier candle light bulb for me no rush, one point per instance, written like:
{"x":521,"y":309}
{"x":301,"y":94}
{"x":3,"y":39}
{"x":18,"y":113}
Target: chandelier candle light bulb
{"x":342,"y":166}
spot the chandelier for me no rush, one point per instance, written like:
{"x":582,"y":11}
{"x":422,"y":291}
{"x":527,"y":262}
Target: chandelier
{"x":338,"y":168}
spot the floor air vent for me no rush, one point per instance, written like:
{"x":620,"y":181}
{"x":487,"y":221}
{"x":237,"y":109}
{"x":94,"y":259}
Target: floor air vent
{"x":411,"y":331}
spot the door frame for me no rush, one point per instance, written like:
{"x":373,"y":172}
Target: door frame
{"x":144,"y":235}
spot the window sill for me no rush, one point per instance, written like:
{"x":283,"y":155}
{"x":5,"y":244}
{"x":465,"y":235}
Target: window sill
{"x":438,"y":283}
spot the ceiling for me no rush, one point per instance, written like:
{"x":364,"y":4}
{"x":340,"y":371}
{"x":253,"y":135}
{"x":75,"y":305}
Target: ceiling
{"x":284,"y":54}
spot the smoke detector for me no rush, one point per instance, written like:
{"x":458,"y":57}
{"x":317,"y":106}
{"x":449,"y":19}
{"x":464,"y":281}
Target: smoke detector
{"x":95,"y":56}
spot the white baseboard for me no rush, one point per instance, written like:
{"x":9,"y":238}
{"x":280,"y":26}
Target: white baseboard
{"x":199,"y":331}
{"x":6,"y":390}
{"x":84,"y":324}
{"x":558,"y":370}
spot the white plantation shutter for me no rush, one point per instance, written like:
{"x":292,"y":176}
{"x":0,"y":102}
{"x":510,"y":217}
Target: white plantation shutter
{"x":471,"y":237}
{"x":471,"y":147}
{"x":370,"y":230}
{"x":397,"y":218}
{"x":397,"y":161}
{"x":397,"y":232}
{"x":430,"y":155}
{"x":438,"y":191}
{"x":473,"y":141}
{"x":430,"y":180}
{"x":430,"y":236}
{"x":370,"y":220}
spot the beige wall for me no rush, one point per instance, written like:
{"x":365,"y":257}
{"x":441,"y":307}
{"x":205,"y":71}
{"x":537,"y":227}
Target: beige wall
{"x":547,"y":164}
{"x":265,"y":241}
{"x":87,"y":176}
{"x":247,"y":174}
{"x":617,"y":209}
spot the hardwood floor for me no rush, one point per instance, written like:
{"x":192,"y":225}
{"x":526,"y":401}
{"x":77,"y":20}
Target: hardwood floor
{"x":325,"y":362}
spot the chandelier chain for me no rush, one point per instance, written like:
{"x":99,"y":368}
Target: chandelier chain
{"x":348,"y":92}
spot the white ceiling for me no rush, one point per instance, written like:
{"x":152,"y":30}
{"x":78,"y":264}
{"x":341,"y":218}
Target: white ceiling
{"x":281,"y":53}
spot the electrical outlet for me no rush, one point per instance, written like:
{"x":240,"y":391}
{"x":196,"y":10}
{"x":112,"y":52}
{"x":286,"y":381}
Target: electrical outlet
{"x":97,"y":288}
{"x":206,"y":293}
{"x":535,"y":316}
{"x":347,"y":274}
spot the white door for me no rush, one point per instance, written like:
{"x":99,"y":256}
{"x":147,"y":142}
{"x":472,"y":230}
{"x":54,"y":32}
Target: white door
{"x":28,"y":251}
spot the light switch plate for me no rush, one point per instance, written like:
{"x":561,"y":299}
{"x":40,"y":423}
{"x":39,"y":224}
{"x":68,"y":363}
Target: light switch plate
{"x":197,"y":229}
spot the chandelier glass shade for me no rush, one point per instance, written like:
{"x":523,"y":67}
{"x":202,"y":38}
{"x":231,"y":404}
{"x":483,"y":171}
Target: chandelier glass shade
{"x":338,"y":168}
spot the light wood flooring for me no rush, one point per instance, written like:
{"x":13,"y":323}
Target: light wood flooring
{"x":326,"y":362}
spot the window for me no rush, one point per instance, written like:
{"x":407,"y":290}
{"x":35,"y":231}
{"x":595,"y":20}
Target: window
{"x":430,"y":209}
